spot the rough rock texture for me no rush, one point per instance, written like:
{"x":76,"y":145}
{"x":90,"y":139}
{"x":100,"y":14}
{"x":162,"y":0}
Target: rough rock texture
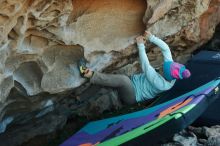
{"x":197,"y":136}
{"x":40,"y":42}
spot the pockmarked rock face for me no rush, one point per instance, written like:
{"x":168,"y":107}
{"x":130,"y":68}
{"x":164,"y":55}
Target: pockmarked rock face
{"x":50,"y":36}
{"x":41,"y":41}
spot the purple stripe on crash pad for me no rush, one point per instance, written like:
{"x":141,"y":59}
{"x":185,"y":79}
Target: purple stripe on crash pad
{"x":200,"y":97}
{"x":126,"y":125}
{"x":81,"y":138}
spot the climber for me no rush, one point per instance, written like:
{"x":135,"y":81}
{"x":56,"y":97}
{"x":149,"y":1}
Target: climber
{"x":143,"y":86}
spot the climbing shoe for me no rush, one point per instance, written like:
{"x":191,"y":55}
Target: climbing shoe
{"x":82,"y":67}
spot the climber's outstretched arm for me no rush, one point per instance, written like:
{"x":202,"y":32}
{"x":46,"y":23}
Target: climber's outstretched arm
{"x":161,"y":44}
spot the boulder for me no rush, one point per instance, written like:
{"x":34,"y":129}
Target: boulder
{"x":41,"y":41}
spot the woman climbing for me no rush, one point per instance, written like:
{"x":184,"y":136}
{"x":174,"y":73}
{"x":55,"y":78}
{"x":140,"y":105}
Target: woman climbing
{"x":143,"y":86}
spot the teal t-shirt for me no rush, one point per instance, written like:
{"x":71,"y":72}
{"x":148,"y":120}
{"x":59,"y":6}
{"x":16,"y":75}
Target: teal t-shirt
{"x":149,"y":84}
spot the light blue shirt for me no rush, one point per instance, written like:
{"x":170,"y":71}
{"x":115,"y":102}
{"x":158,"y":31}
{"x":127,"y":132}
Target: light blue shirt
{"x":149,"y":84}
